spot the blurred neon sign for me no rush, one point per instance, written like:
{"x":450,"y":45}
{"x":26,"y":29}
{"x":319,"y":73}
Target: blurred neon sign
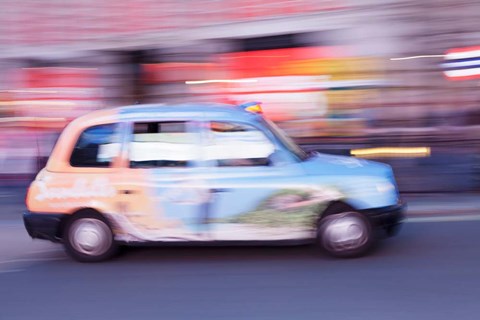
{"x":462,"y":63}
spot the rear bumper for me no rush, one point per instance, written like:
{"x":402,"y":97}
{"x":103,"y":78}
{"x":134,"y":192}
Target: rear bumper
{"x":43,"y":225}
{"x":389,"y":218}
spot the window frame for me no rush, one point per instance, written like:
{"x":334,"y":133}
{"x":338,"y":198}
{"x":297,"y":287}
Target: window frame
{"x":112,"y":164}
{"x":283,"y":139}
{"x":191,"y":126}
{"x":214,"y":163}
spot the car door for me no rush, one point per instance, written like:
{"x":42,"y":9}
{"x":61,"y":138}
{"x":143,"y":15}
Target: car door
{"x":160,"y":191}
{"x":257,"y":190}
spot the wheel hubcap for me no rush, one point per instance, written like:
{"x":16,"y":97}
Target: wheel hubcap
{"x":90,"y":236}
{"x":342,"y":232}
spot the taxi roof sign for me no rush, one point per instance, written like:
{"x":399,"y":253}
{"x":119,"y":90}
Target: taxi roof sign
{"x":253,"y":107}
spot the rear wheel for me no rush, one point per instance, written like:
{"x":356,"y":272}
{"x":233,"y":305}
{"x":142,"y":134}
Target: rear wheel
{"x":346,"y":234}
{"x":89,"y":238}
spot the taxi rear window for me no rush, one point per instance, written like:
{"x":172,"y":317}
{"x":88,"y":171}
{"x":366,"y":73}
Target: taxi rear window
{"x":97,"y":146}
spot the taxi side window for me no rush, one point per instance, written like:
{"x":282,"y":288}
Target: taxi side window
{"x":97,"y":146}
{"x":162,"y":144}
{"x":233,"y":144}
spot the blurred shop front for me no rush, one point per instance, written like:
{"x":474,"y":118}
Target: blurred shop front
{"x":325,"y":71}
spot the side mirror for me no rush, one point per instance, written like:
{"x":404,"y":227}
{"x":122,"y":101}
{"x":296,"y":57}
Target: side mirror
{"x":278,"y":158}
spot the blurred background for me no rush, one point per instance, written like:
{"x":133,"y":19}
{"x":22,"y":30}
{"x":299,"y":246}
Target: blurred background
{"x":390,"y":80}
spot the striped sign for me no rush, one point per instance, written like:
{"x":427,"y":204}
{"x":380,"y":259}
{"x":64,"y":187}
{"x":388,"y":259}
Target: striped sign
{"x":462,"y":63}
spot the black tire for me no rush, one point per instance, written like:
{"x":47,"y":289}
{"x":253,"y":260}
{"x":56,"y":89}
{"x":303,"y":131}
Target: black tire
{"x":346,"y":234}
{"x":88,"y":237}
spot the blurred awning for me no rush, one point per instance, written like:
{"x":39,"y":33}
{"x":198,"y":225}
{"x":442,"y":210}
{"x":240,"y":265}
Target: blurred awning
{"x":34,"y":122}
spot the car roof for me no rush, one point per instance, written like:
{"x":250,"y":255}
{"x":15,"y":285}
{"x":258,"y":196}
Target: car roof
{"x":198,"y":111}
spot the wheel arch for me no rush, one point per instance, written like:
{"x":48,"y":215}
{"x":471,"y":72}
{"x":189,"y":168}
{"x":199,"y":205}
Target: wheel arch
{"x":336,"y":206}
{"x":81,"y":211}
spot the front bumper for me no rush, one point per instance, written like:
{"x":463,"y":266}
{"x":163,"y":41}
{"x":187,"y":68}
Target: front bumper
{"x":388,"y":218}
{"x":43,"y":225}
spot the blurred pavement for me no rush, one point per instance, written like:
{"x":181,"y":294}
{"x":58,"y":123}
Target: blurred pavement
{"x":442,"y":204}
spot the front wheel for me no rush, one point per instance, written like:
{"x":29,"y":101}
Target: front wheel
{"x":88,"y":238}
{"x":346,"y":235}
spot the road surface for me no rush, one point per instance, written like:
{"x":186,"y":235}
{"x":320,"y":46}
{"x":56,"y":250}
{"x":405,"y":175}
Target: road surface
{"x":430,"y":271}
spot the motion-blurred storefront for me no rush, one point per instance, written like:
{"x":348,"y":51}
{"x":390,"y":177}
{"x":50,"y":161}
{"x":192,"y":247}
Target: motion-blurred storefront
{"x":339,"y":76}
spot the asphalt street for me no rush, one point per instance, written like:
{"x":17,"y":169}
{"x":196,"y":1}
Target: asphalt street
{"x":431,"y":270}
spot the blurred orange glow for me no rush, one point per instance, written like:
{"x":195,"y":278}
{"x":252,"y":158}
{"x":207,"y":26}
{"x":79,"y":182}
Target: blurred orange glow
{"x":392,"y":152}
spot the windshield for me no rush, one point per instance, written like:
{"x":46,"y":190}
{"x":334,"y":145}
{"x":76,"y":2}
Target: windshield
{"x":285,"y":140}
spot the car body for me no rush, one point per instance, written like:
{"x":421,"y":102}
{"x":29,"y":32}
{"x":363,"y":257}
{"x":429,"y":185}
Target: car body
{"x":206,"y":174}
